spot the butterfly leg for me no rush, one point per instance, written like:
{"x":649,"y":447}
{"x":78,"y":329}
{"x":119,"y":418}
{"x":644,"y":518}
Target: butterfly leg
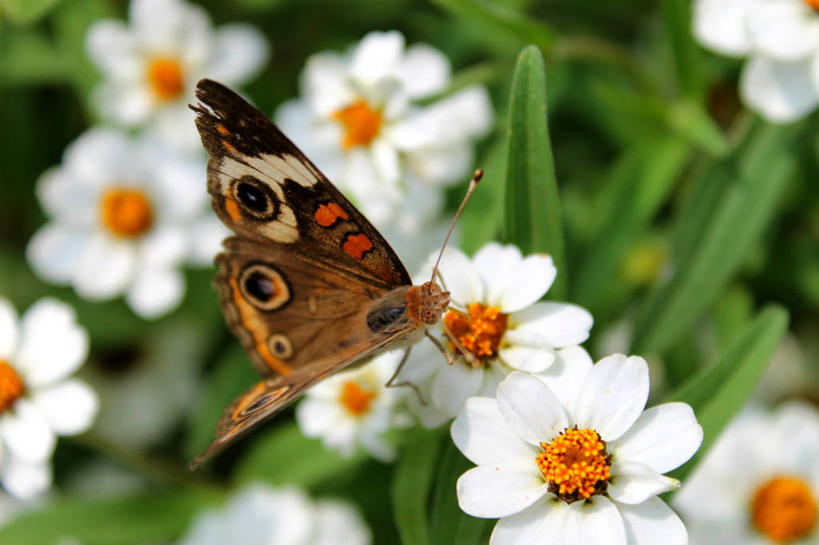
{"x":469,"y":356}
{"x":391,"y":384}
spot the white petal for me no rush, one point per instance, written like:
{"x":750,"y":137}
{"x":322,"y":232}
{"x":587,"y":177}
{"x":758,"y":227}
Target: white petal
{"x":544,"y":523}
{"x":493,"y":491}
{"x":377,"y":56}
{"x":105,"y":268}
{"x":663,"y":438}
{"x":566,"y":375}
{"x":334,"y":519}
{"x":461,"y":278}
{"x":164,"y":247}
{"x":530,"y":408}
{"x":24,"y":480}
{"x":111,"y":46}
{"x":653,"y":522}
{"x":385,"y":159}
{"x":70,"y":199}
{"x":483,"y":436}
{"x":633,"y":482}
{"x":783,"y":30}
{"x":316,"y":416}
{"x":526,"y":358}
{"x":55,"y":250}
{"x":453,"y":385}
{"x":494,"y":259}
{"x":126,"y":104}
{"x":52,"y":344}
{"x":207,"y":234}
{"x":550,"y":324}
{"x":613,"y":395}
{"x":69,"y":407}
{"x":239,"y":51}
{"x":595,"y":521}
{"x":721,"y":24}
{"x":9,"y":332}
{"x":423,"y":70}
{"x":523,"y":283}
{"x":781,"y":92}
{"x":26,"y":433}
{"x":156,"y":291}
{"x":325,"y":82}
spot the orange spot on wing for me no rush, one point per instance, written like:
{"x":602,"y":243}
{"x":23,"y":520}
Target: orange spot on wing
{"x":357,"y":245}
{"x":228,"y":146}
{"x":232,"y":208}
{"x":327,"y":214}
{"x":222,"y":129}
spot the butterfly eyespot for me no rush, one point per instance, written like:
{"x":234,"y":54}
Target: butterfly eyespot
{"x":280,"y":346}
{"x":256,"y":199}
{"x":264,"y":286}
{"x":262,"y":401}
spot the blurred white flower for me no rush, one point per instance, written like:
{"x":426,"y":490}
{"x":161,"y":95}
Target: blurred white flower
{"x":359,"y":121}
{"x":781,"y":40}
{"x":38,"y":400}
{"x":496,"y":317}
{"x":122,"y":214}
{"x":353,"y":408}
{"x":151,"y":65}
{"x":575,"y":458}
{"x":260,"y":515}
{"x":759,"y":483}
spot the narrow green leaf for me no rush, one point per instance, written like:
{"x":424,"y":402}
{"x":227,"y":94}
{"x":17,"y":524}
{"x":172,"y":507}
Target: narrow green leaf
{"x":154,"y":517}
{"x":729,"y":224}
{"x":450,"y":525}
{"x":532,"y":208}
{"x":686,"y":54}
{"x":481,"y":219}
{"x":25,"y":11}
{"x":411,"y":486}
{"x":719,"y":391}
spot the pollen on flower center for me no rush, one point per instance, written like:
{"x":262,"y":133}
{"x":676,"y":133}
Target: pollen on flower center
{"x":355,"y":398}
{"x":11,"y":386}
{"x":165,"y":77}
{"x":126,"y":213}
{"x":480,"y":330}
{"x":361,"y":124}
{"x":575,"y":464}
{"x":784,"y":509}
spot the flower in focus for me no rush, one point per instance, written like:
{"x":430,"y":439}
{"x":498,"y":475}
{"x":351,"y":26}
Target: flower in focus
{"x":353,"y":408}
{"x":260,"y":515}
{"x":122,"y":212}
{"x":359,"y":121}
{"x":38,"y":400}
{"x":781,"y":39}
{"x":575,"y":458}
{"x":496,"y":318}
{"x":759,"y":483}
{"x":151,"y":65}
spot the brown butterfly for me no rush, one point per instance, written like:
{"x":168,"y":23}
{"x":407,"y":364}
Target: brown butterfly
{"x":308,"y":285}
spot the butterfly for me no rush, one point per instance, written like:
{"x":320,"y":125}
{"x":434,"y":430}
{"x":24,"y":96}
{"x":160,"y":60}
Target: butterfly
{"x":307,"y":284}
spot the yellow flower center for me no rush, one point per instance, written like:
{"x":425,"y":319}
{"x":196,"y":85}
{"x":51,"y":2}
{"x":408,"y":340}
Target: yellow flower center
{"x":784,"y":509}
{"x":361,"y":124}
{"x":575,"y":464}
{"x":11,"y":386}
{"x":165,"y":77}
{"x":126,"y":212}
{"x":480,"y":330}
{"x":356,"y":399}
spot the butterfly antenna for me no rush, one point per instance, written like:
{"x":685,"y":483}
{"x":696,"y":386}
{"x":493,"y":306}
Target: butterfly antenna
{"x":472,"y":185}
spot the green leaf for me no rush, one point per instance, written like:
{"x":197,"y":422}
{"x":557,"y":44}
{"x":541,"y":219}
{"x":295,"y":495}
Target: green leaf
{"x":726,"y":218}
{"x":719,"y":391}
{"x":151,"y":517}
{"x":686,"y":53}
{"x":25,"y":11}
{"x":450,"y":525}
{"x":532,"y":207}
{"x":412,"y":484}
{"x":28,"y":57}
{"x":285,"y":455}
{"x":481,"y":219}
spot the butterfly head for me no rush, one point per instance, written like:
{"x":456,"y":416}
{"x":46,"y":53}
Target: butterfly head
{"x":427,"y":303}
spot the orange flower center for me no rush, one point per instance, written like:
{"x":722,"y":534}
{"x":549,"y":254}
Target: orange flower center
{"x":11,"y":386}
{"x":480,"y":330}
{"x":165,"y":77}
{"x":813,"y":4}
{"x":126,"y":212}
{"x":361,"y":124}
{"x":784,"y":509}
{"x":575,"y":464}
{"x":356,"y":399}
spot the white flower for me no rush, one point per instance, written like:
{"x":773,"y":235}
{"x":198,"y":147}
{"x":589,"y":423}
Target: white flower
{"x":151,"y":65}
{"x":496,"y":317}
{"x":357,"y":120}
{"x":353,"y":408}
{"x":122,"y":212}
{"x":781,"y":39}
{"x":759,"y":483}
{"x":38,"y":400}
{"x":260,"y":515}
{"x":574,"y":458}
